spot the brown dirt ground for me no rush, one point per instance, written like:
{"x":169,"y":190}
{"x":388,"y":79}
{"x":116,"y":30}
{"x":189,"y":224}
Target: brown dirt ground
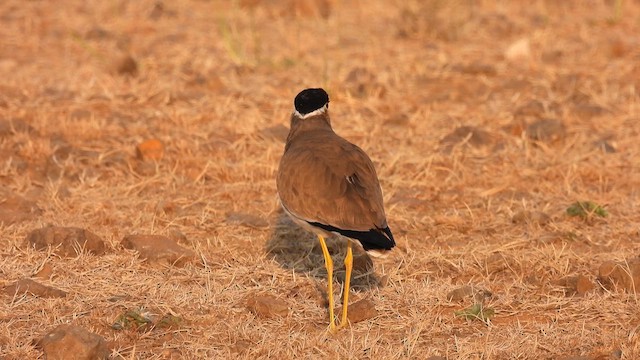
{"x":214,"y":82}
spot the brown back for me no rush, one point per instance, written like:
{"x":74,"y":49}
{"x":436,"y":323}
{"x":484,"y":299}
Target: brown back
{"x":324,"y":178}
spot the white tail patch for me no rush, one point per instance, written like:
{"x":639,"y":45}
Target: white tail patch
{"x":377,"y":253}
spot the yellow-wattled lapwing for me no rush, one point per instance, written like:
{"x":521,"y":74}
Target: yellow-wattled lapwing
{"x":329,"y":186}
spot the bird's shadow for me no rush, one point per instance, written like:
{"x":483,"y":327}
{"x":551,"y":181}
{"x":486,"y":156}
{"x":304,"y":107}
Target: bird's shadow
{"x":295,"y":248}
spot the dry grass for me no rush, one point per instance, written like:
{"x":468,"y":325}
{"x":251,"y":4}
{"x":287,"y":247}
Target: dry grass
{"x":213,"y":80}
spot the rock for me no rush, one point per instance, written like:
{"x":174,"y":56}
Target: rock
{"x":127,"y":65}
{"x":362,"y":262}
{"x":588,"y":111}
{"x":97,"y":33}
{"x":498,"y":262}
{"x":267,"y":306}
{"x":533,"y":108}
{"x":625,"y":276}
{"x":360,"y":311}
{"x":518,"y":50}
{"x":34,"y":288}
{"x":467,"y":134}
{"x":362,"y":82}
{"x":151,"y":149}
{"x":159,"y":249}
{"x":605,"y":145}
{"x":81,"y":114}
{"x":73,"y":342}
{"x":576,"y":285}
{"x":241,"y":346}
{"x":460,"y":293}
{"x":583,"y":285}
{"x":8,"y":127}
{"x":69,"y":241}
{"x":45,"y":272}
{"x":546,"y":130}
{"x":15,"y":208}
{"x":244,"y":219}
{"x":531,"y":217}
{"x":476,"y":68}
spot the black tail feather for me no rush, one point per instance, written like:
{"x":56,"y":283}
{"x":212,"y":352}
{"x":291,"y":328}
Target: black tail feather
{"x":374,"y":239}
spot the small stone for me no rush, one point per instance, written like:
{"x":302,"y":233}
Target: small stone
{"x":362,"y":262}
{"x":97,"y":33}
{"x":362,"y":82}
{"x":625,"y":276}
{"x":588,"y":111}
{"x":605,"y":146}
{"x":127,"y":65}
{"x":479,"y":295}
{"x":241,"y":346}
{"x":34,"y":288}
{"x":151,"y":149}
{"x":498,"y":262}
{"x":157,"y":11}
{"x":159,"y":249}
{"x":476,"y":68}
{"x":518,"y":50}
{"x":531,"y":217}
{"x":583,"y":285}
{"x":45,"y":272}
{"x":145,"y":168}
{"x":532,"y":108}
{"x":177,"y":235}
{"x":360,"y":311}
{"x":546,"y":130}
{"x":73,"y":342}
{"x":248,"y":220}
{"x":68,"y":241}
{"x":80,"y":114}
{"x":467,"y":134}
{"x":576,"y":285}
{"x":460,"y":293}
{"x":8,"y":127}
{"x":15,"y":208}
{"x":267,"y":306}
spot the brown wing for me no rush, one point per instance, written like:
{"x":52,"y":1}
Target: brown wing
{"x":324,"y":178}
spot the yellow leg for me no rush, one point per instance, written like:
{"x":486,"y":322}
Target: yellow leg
{"x":348,"y":265}
{"x":328,"y":263}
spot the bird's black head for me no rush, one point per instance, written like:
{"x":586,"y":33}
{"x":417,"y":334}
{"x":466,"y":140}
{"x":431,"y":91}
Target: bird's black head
{"x":310,"y":100}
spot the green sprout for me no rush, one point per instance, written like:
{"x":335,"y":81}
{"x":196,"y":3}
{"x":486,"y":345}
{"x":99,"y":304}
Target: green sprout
{"x":586,"y":209}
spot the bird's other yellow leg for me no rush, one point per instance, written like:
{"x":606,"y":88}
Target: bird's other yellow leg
{"x":328,"y":263}
{"x":348,"y":265}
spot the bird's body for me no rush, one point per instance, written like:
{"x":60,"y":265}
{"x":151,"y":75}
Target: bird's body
{"x":329,"y":186}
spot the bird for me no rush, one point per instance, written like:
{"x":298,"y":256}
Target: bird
{"x":329,"y":186}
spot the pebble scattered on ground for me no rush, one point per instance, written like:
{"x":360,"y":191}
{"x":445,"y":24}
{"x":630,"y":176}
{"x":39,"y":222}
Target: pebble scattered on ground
{"x":32,"y":287}
{"x":267,"y":306}
{"x":159,"y":249}
{"x":67,"y":241}
{"x":360,"y":311}
{"x":73,"y":342}
{"x":621,"y":275}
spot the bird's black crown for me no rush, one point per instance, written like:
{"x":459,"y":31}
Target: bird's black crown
{"x":309,"y":100}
